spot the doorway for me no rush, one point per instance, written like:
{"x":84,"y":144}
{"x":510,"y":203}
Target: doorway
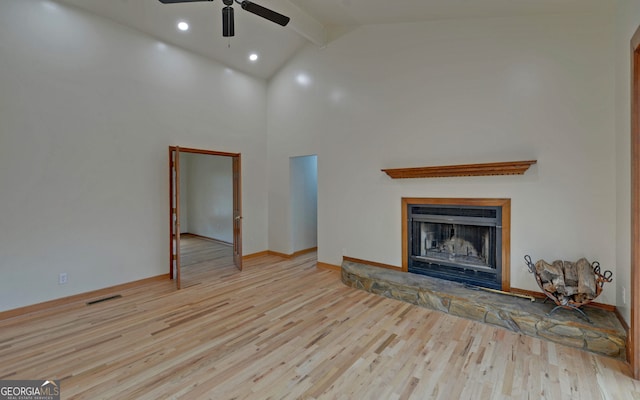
{"x":303,"y":183}
{"x":205,"y":211}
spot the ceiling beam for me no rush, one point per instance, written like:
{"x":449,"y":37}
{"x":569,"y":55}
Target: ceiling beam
{"x":301,"y":22}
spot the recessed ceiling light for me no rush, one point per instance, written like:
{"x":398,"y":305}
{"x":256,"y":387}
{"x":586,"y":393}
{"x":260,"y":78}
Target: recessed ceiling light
{"x":253,"y":57}
{"x":183,"y":26}
{"x":303,"y":79}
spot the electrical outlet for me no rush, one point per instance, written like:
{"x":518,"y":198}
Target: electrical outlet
{"x":63,"y":278}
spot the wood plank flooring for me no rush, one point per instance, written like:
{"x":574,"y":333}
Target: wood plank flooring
{"x":196,"y":250}
{"x":200,"y":258}
{"x":283,"y":329}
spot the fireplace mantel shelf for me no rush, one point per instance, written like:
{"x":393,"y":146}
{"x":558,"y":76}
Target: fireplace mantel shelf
{"x":499,"y":168}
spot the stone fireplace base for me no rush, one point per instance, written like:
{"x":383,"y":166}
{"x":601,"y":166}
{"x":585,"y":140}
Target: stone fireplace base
{"x":605,"y":336}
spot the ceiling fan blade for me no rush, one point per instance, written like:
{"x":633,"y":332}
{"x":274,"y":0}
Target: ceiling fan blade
{"x":180,"y":1}
{"x":265,"y":13}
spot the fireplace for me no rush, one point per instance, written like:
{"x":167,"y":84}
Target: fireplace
{"x":462,"y":241}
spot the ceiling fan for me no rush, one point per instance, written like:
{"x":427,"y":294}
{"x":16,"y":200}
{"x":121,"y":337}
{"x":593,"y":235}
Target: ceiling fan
{"x":227,"y":13}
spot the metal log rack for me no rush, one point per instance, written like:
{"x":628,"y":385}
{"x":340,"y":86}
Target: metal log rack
{"x":567,"y":303}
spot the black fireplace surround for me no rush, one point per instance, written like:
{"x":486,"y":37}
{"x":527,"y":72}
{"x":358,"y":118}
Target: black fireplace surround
{"x":456,"y":243}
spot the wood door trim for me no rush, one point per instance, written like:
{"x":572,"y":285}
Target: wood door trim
{"x":634,"y":336}
{"x":171,"y":208}
{"x":234,"y":156}
{"x":176,"y":168}
{"x":201,"y":151}
{"x":236,"y":176}
{"x":506,"y":228}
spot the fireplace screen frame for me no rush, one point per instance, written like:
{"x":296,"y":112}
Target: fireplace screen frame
{"x":503,"y":219}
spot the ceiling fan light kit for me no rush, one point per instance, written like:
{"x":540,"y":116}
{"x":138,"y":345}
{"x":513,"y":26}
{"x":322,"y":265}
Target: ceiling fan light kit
{"x":227,"y":13}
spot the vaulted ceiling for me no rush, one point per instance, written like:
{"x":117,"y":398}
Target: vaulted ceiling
{"x":312,"y":21}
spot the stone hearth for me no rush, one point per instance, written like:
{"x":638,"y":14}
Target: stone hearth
{"x":605,"y":336}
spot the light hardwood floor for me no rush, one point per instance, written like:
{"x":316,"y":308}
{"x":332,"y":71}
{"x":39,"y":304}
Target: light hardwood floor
{"x":196,"y":250}
{"x":283,"y":329}
{"x":200,"y":258}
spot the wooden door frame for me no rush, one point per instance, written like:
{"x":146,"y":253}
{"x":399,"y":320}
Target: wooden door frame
{"x":236,"y":176}
{"x":634,"y":334}
{"x":234,"y":156}
{"x":174,"y":214}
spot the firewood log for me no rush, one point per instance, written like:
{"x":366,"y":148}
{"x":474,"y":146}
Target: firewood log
{"x":570,"y":290}
{"x":546,"y":271}
{"x":581,"y":298}
{"x":549,"y":287}
{"x":564,"y":300}
{"x":570,"y":273}
{"x":551,"y":273}
{"x":586,"y":278}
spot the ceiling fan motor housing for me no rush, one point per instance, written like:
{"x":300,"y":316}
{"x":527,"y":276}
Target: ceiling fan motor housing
{"x":227,"y":22}
{"x":227,"y":13}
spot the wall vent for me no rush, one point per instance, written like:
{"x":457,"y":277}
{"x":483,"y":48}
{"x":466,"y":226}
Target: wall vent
{"x":92,"y":302}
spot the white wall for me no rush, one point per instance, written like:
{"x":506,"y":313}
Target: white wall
{"x":88,"y":109}
{"x":627,"y":21}
{"x":303,"y":183}
{"x":454,"y":92}
{"x":210,"y":196}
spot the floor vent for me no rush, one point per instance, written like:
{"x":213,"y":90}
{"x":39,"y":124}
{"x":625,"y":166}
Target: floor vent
{"x":90,"y":303}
